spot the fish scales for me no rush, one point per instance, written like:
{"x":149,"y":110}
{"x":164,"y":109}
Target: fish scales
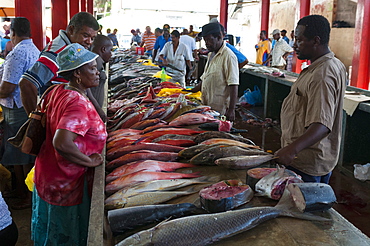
{"x":204,"y":229}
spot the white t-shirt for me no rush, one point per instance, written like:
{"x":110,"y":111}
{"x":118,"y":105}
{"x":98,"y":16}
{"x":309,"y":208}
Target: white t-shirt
{"x":190,"y":44}
{"x":281,"y":46}
{"x":176,"y":59}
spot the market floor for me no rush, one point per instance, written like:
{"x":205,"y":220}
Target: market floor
{"x":353,"y":196}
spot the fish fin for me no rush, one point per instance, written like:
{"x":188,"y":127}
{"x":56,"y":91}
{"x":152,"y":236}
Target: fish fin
{"x":305,"y":216}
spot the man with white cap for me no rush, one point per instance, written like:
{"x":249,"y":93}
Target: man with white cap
{"x":280,"y":51}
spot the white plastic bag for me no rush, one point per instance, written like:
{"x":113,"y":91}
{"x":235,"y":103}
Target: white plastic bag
{"x":362,"y":172}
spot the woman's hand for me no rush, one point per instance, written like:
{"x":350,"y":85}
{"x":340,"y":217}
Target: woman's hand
{"x":96,"y":159}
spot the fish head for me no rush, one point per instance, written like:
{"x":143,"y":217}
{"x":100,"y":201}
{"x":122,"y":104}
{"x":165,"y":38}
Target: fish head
{"x":266,"y":184}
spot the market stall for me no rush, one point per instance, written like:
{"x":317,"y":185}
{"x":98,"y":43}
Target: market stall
{"x":136,"y":101}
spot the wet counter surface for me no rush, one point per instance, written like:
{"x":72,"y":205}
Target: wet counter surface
{"x":279,"y":231}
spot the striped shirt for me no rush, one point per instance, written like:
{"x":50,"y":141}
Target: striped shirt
{"x":149,"y":40}
{"x":45,"y":69}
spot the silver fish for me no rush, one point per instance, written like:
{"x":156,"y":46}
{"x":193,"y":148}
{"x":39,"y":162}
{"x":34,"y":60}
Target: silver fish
{"x":199,"y":230}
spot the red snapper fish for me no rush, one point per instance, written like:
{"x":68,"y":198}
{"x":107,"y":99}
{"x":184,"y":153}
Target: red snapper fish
{"x":148,"y":165}
{"x":191,"y":119}
{"x":143,"y":176}
{"x":141,"y":155}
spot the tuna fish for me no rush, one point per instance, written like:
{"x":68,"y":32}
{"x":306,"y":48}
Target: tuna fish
{"x":115,"y":153}
{"x":251,"y":159}
{"x":191,"y":119}
{"x":121,"y":220}
{"x":141,"y":155}
{"x":178,"y":142}
{"x":142,"y":176}
{"x":273,"y":185}
{"x":172,"y":137}
{"x":148,"y":165}
{"x":214,"y":227}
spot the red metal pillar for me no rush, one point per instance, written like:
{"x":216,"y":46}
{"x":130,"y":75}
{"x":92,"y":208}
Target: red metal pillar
{"x":90,"y":6}
{"x":265,"y":12}
{"x":59,"y":16}
{"x":33,"y":11}
{"x":304,"y":7}
{"x":83,"y":5}
{"x":224,"y":4}
{"x":74,"y":7}
{"x":361,"y":51}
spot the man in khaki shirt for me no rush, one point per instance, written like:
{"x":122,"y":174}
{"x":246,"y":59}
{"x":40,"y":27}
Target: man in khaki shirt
{"x":220,"y":79}
{"x":311,"y":115}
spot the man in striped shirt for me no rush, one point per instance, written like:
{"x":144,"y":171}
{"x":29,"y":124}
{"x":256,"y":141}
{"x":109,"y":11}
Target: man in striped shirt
{"x":82,"y":29}
{"x":148,"y":40}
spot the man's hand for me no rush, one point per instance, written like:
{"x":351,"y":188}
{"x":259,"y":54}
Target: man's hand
{"x":286,"y":155}
{"x":230,"y":114}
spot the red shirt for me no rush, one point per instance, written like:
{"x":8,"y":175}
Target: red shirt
{"x":58,"y":181}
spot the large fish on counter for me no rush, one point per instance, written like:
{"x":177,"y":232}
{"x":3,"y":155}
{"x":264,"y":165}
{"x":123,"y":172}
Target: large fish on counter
{"x":163,"y":131}
{"x":200,"y":230}
{"x":209,"y":156}
{"x":153,"y":197}
{"x":191,"y":119}
{"x":123,"y":219}
{"x":142,"y":176}
{"x":148,"y":165}
{"x":217,"y":134}
{"x":141,"y":155}
{"x":229,"y":142}
{"x":118,"y":198}
{"x":252,"y":158}
{"x":119,"y":151}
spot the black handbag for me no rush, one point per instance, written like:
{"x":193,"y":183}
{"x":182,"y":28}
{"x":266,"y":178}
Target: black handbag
{"x":31,"y":135}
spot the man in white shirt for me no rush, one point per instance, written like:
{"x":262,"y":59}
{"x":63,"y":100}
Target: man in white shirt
{"x":280,"y":51}
{"x":192,"y":48}
{"x":178,"y":56}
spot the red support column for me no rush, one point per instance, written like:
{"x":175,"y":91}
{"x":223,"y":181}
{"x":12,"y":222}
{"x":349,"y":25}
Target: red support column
{"x":33,"y":11}
{"x":361,"y":51}
{"x":83,"y":5}
{"x":224,"y":4}
{"x":59,"y":16}
{"x":90,"y":6}
{"x":74,"y":7}
{"x":304,"y":7}
{"x":265,"y":12}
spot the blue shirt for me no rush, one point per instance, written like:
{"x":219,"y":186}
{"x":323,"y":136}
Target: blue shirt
{"x":5,"y":218}
{"x":21,"y":58}
{"x":3,"y":43}
{"x":286,"y":39}
{"x":238,"y":54}
{"x":113,"y":37}
{"x":160,"y":42}
{"x":136,"y":39}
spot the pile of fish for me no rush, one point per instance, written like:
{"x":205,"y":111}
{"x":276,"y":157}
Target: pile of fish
{"x":208,"y":228}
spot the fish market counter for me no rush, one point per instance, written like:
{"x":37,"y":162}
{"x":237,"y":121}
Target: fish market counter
{"x":279,"y":231}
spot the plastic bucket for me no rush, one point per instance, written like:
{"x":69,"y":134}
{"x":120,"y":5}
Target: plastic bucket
{"x":139,"y":50}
